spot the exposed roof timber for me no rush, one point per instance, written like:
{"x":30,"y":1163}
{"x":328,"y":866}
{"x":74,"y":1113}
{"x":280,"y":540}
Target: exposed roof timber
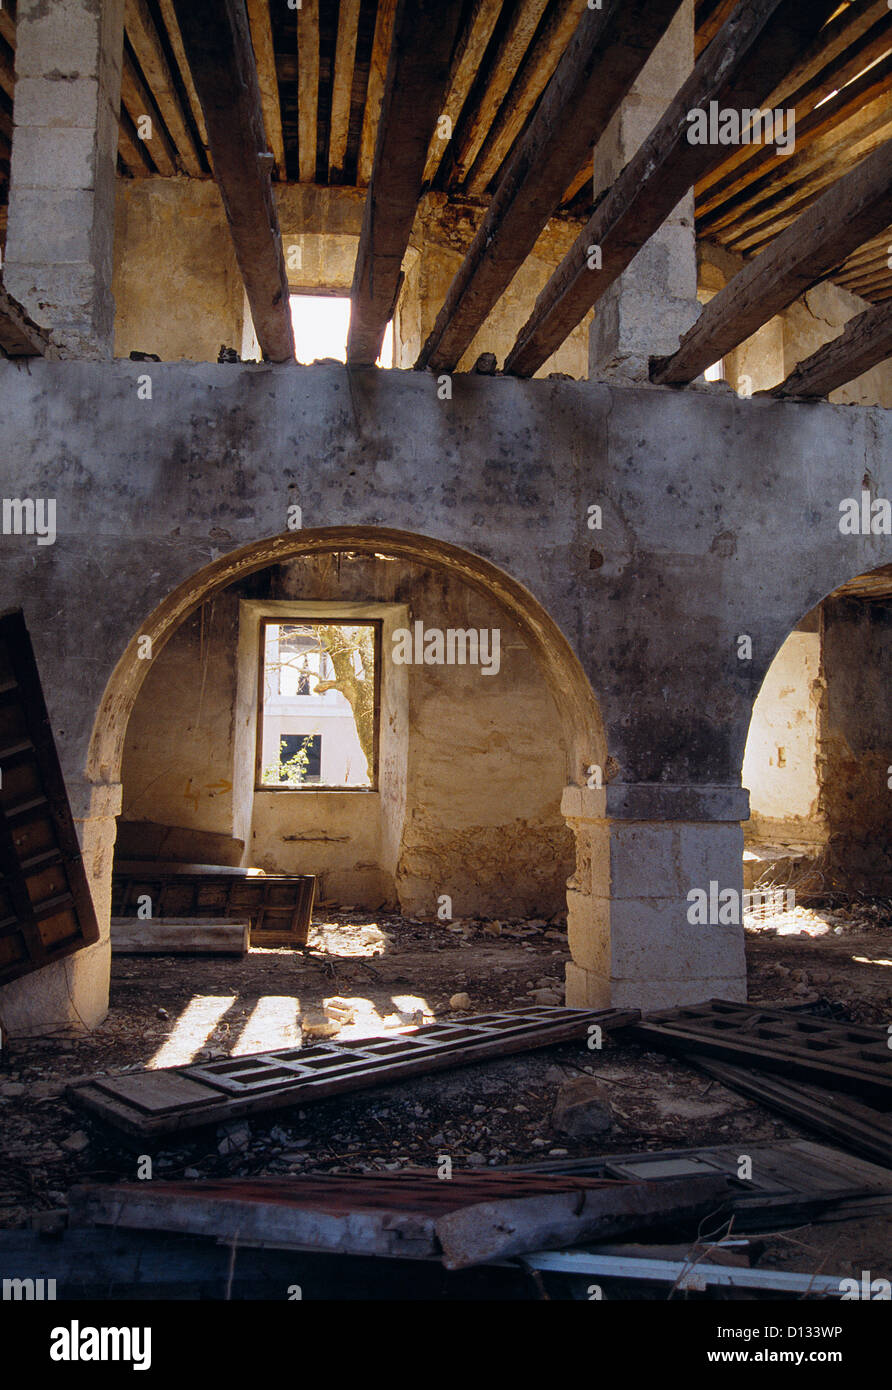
{"x":19,"y":335}
{"x":532,"y":78}
{"x":822,"y":136}
{"x":767,"y":224}
{"x":838,"y":54}
{"x":139,"y":104}
{"x":606,"y":54}
{"x":466,"y":61}
{"x":847,"y":215}
{"x":375,"y":92}
{"x":176,"y":42}
{"x":708,"y":25}
{"x":308,"y":87}
{"x":342,"y":86}
{"x":262,"y":39}
{"x":218,"y":44}
{"x":424,"y":39}
{"x":132,"y":150}
{"x":155,"y":68}
{"x":744,"y":61}
{"x":478,"y":116}
{"x":864,"y":342}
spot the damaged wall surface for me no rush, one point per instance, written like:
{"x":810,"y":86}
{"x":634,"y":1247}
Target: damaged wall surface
{"x":162,"y":501}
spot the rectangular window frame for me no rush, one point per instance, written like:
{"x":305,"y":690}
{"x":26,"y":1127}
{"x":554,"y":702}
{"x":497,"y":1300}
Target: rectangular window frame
{"x":303,"y":620}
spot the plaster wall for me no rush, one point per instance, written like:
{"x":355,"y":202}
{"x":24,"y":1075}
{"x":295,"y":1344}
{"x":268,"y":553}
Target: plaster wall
{"x":700,"y":491}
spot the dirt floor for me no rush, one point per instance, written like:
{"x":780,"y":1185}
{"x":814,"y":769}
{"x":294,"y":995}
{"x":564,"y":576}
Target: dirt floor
{"x":378,"y":972}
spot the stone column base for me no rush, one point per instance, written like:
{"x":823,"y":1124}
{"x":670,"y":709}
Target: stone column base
{"x":630,"y":934}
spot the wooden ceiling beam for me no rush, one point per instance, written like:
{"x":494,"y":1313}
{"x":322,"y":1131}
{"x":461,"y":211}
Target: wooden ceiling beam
{"x":424,"y":39}
{"x":533,"y":77}
{"x":466,"y":62}
{"x":864,"y":342}
{"x":342,"y":87}
{"x":479,"y":115}
{"x":822,"y":133}
{"x":375,"y":90}
{"x":308,"y":88}
{"x":846,"y":216}
{"x":265,"y":55}
{"x":7,"y":26}
{"x":606,"y":54}
{"x":217,"y":40}
{"x":152,"y":59}
{"x":140,"y":103}
{"x":7,"y":74}
{"x":838,"y":54}
{"x":745,"y":60}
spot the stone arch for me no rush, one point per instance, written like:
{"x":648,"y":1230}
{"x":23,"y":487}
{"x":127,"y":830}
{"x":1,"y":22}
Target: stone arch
{"x":581,"y":721}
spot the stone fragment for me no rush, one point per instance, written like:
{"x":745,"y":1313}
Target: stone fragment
{"x":582,"y":1108}
{"x":460,"y":1001}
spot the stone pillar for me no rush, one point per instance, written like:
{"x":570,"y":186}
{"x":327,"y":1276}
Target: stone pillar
{"x":640,"y":851}
{"x":71,"y":996}
{"x":62,"y":188}
{"x":654,"y":302}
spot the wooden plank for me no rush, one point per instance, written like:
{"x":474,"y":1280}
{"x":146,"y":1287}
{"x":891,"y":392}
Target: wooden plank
{"x":533,"y":77}
{"x":375,"y":91}
{"x":146,"y":45}
{"x":46,"y":908}
{"x":218,"y":45}
{"x":171,"y":24}
{"x":467,"y":1220}
{"x":424,"y":37}
{"x":824,"y":136}
{"x":308,"y":87}
{"x":19,"y":335}
{"x":709,"y":27}
{"x":838,"y":1055}
{"x":294,"y":1076}
{"x":831,"y":1113}
{"x":744,"y":62}
{"x":466,"y":61}
{"x":846,"y":216}
{"x":865,"y":341}
{"x":181,"y":937}
{"x":342,"y":87}
{"x":133,"y":151}
{"x":479,"y":114}
{"x":140,"y":103}
{"x":264,"y":53}
{"x":7,"y":72}
{"x":606,"y":54}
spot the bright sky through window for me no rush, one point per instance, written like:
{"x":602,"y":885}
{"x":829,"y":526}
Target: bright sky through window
{"x":321,"y":323}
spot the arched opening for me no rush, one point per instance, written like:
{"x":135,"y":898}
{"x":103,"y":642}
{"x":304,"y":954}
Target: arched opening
{"x":456,"y":838}
{"x":818,"y":850}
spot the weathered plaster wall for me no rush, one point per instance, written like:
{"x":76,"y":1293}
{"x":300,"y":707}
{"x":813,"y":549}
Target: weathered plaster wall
{"x":177,"y":288}
{"x":720,"y":518}
{"x":479,"y":815}
{"x":856,"y":744}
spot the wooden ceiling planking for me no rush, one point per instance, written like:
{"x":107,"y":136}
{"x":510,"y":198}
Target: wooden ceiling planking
{"x":140,"y":104}
{"x":342,"y":87}
{"x":513,"y":35}
{"x":159,"y":74}
{"x":466,"y":63}
{"x":384,"y":13}
{"x":308,"y":67}
{"x":264,"y":54}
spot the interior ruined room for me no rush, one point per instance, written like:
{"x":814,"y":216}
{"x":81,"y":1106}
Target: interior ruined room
{"x":447,"y":553}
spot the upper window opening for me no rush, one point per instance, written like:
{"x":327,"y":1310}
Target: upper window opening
{"x":321,"y":324}
{"x":318,"y":724}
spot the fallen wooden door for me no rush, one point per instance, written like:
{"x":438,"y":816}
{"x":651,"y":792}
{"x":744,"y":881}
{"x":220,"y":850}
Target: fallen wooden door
{"x":46,"y":909}
{"x":160,"y":1102}
{"x":850,"y":1057}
